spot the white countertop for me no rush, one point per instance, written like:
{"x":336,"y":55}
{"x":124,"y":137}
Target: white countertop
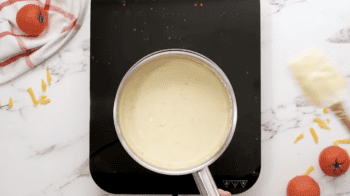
{"x":44,"y":150}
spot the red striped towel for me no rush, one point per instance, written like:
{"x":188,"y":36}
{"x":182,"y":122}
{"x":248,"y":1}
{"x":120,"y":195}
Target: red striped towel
{"x":19,"y":51}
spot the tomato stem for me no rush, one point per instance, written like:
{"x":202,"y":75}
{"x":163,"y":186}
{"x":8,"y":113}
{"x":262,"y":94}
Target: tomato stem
{"x":337,"y":165}
{"x":41,"y":17}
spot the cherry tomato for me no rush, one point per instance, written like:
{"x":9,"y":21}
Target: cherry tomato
{"x":334,"y":161}
{"x":32,"y":19}
{"x":303,"y":186}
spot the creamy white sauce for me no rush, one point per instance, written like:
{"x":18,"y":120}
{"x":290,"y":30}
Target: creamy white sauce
{"x":318,"y":77}
{"x":174,"y":112}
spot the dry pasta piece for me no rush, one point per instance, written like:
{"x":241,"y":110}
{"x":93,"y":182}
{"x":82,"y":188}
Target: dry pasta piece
{"x":43,"y":85}
{"x":42,"y":98}
{"x":314,"y":135}
{"x":10,"y":103}
{"x":335,"y":143}
{"x":327,"y":121}
{"x":321,"y":123}
{"x":299,"y":137}
{"x":0,"y":103}
{"x":325,"y":111}
{"x":49,"y":79}
{"x":308,"y":170}
{"x":30,"y":91}
{"x":46,"y":101}
{"x":344,"y":141}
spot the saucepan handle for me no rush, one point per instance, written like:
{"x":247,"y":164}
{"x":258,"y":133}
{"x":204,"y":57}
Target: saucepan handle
{"x":205,"y":182}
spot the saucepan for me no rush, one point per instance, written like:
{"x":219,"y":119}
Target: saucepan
{"x":201,"y":173}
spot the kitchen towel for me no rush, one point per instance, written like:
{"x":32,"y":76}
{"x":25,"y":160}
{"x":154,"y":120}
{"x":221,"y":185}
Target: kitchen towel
{"x":19,"y":51}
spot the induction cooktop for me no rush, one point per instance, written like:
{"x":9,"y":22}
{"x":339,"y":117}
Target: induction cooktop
{"x":225,"y":31}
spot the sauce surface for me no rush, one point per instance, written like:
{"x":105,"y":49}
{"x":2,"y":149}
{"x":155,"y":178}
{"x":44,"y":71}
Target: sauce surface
{"x":174,"y":112}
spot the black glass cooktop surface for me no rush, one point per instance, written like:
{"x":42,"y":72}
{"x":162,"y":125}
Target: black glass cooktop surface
{"x":122,"y":32}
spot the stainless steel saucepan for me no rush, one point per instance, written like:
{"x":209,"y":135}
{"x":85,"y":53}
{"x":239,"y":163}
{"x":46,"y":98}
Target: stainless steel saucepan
{"x":201,"y":173}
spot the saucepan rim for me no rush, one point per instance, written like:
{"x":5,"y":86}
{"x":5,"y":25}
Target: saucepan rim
{"x":233,"y":111}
